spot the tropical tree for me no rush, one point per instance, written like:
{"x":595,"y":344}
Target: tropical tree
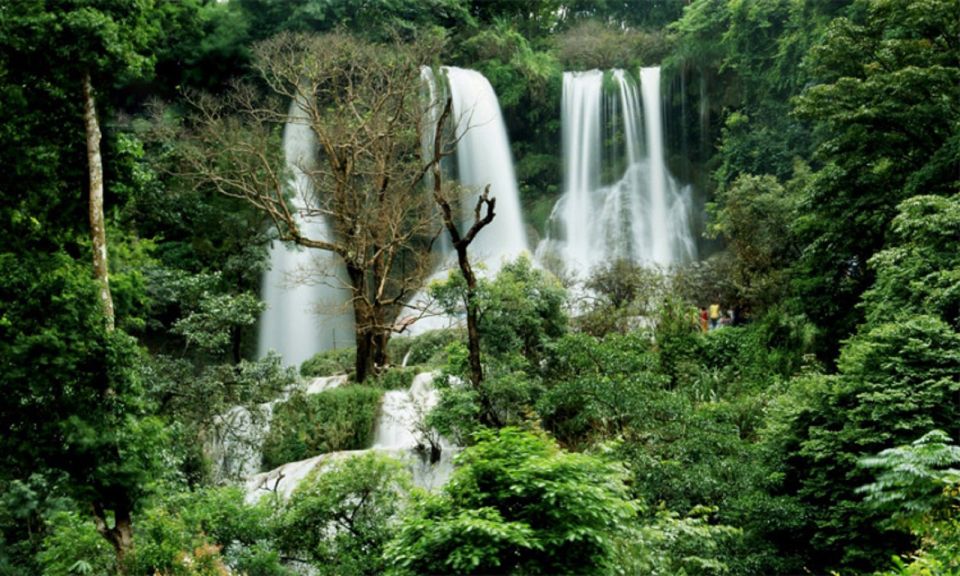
{"x":77,"y":409}
{"x":885,"y":106}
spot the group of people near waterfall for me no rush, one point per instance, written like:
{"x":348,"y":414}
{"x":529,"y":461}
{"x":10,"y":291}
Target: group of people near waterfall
{"x":713,"y":317}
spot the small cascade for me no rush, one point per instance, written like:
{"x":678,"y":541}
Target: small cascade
{"x":237,"y":436}
{"x":402,"y":412}
{"x":307,"y":304}
{"x":399,"y":433}
{"x":619,"y":200}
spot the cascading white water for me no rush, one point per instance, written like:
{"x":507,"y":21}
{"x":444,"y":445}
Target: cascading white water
{"x":304,"y":290}
{"x":236,"y":437}
{"x":484,"y":158}
{"x":398,"y":433}
{"x":644,"y":215}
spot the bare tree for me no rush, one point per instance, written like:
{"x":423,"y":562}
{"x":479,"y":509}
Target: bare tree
{"x":483,"y":214}
{"x":361,"y":102}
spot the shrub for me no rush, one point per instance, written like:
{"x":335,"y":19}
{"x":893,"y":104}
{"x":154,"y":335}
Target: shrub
{"x":73,"y":546}
{"x":517,"y":504}
{"x":329,"y":363}
{"x":396,"y":378}
{"x":308,"y":425}
{"x":341,"y":517}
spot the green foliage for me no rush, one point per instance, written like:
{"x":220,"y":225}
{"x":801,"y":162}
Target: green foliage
{"x":341,"y":516}
{"x":676,"y":333}
{"x":912,"y":481}
{"x":396,"y":378}
{"x":457,"y":415}
{"x":520,"y":310}
{"x":200,"y":533}
{"x":897,"y":381}
{"x":517,"y":504}
{"x":378,"y":21}
{"x":914,"y":488}
{"x":211,"y":327}
{"x":73,"y":547}
{"x":329,"y":363}
{"x":182,"y":534}
{"x":754,"y":215}
{"x":884,"y":108}
{"x":674,"y":545}
{"x":598,"y":389}
{"x":505,"y":397}
{"x":308,"y":425}
{"x":425,"y":350}
{"x":519,"y":313}
{"x":918,"y":272}
{"x":622,"y":292}
{"x":75,"y":402}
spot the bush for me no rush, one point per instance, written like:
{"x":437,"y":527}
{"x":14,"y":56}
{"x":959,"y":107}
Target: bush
{"x":427,"y":350}
{"x":897,"y":381}
{"x":517,"y":505}
{"x":308,"y":425}
{"x":203,"y":533}
{"x":330,"y":363}
{"x":73,"y":546}
{"x":396,"y":378}
{"x":341,"y":517}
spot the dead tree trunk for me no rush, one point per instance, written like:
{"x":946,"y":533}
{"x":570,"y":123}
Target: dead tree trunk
{"x":483,"y":214}
{"x":97,"y":227}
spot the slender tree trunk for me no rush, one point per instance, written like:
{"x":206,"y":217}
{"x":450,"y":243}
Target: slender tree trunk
{"x":120,"y":535}
{"x":97,"y":228}
{"x":473,"y":332}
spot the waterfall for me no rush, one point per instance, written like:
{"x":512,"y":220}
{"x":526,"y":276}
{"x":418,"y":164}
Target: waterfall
{"x":304,"y":290}
{"x":484,"y":158}
{"x":641,"y":212}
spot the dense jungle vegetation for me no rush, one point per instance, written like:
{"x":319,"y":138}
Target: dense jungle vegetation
{"x":606,"y":434}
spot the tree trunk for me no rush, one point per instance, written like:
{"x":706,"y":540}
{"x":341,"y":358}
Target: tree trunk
{"x":372,"y":336}
{"x":473,"y":332}
{"x":97,"y":228}
{"x":120,"y":536}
